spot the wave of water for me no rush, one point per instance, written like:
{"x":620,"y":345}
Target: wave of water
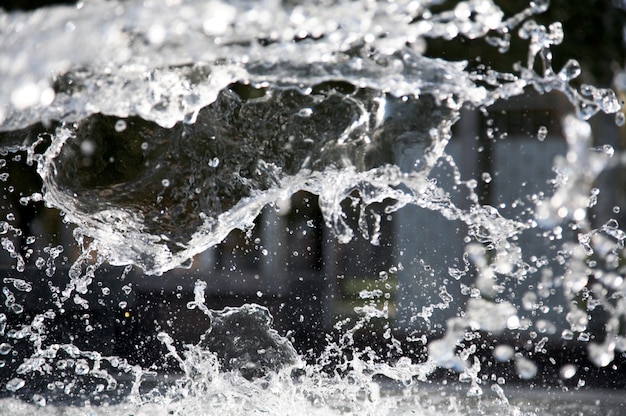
{"x":171,"y":123}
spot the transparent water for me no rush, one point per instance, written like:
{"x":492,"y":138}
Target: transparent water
{"x":159,"y":128}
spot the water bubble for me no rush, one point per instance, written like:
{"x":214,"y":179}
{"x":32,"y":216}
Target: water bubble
{"x":620,"y":119}
{"x":123,"y":304}
{"x":165,"y":183}
{"x":486,"y":177}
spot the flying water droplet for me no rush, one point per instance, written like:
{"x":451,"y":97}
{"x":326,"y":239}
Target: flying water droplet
{"x":120,"y":126}
{"x":214,"y":162}
{"x":15,"y":384}
{"x":542,"y":133}
{"x":570,"y":70}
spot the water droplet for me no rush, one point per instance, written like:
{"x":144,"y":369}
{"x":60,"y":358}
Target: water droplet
{"x":486,"y":177}
{"x":165,"y":183}
{"x":120,"y":126}
{"x":39,"y":400}
{"x":503,"y":352}
{"x":88,"y":148}
{"x":214,"y":162}
{"x":568,"y":371}
{"x":305,"y":112}
{"x":526,"y":369}
{"x":570,"y":70}
{"x":123,"y":304}
{"x":620,"y":119}
{"x":5,"y":348}
{"x":542,"y":133}
{"x":40,"y":263}
{"x":81,"y":368}
{"x":15,"y":384}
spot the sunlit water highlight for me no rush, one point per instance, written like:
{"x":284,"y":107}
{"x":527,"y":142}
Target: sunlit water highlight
{"x":172,"y":123}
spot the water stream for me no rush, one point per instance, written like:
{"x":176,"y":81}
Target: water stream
{"x":161,"y":130}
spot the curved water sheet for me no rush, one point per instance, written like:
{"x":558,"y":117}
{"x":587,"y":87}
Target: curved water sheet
{"x":155,"y":196}
{"x":159,"y":127}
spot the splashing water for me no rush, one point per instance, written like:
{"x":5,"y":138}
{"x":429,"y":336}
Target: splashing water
{"x":159,"y":127}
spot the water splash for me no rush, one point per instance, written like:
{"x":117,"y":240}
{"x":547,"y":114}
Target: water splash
{"x":173,"y":123}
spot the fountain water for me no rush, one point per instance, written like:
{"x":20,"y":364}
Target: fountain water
{"x":160,"y":129}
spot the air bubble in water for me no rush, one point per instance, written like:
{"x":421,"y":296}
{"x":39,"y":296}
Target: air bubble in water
{"x":620,"y":119}
{"x":165,"y":183}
